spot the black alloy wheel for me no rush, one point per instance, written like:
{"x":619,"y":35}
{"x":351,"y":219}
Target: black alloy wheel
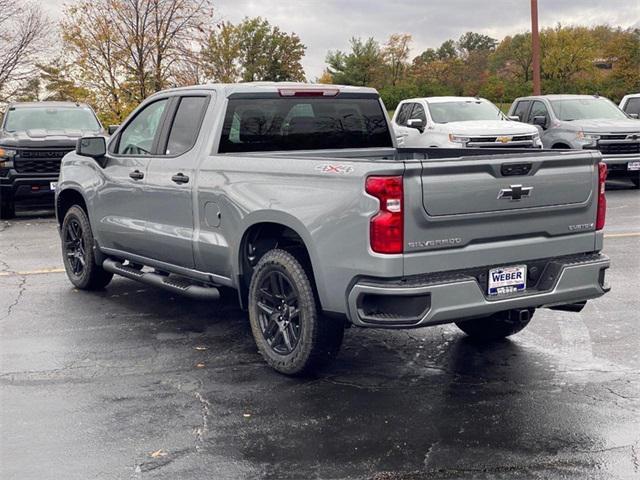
{"x":77,"y":252}
{"x":287,"y":324}
{"x":74,"y":247}
{"x":279,"y":313}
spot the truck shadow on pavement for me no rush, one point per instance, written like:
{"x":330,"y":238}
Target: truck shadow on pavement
{"x":407,"y":402}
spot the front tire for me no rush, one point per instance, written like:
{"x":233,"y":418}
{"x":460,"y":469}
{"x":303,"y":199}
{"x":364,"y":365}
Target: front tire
{"x":77,"y":252}
{"x":496,"y":326}
{"x":291,"y":335}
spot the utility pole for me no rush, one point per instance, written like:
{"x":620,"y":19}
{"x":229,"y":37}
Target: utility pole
{"x":535,"y":47}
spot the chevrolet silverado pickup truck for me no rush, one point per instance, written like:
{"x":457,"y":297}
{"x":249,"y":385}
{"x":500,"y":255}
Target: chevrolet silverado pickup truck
{"x":34,"y":137}
{"x":296,"y":196}
{"x":586,"y":122}
{"x":456,"y":122}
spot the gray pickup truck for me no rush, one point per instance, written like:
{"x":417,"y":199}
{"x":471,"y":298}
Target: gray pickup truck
{"x":296,"y":196}
{"x":588,"y":122}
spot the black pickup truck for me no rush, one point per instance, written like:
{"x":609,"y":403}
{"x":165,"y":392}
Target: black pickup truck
{"x":34,"y":136}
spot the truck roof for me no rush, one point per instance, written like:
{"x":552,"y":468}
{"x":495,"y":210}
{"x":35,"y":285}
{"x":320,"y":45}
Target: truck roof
{"x":555,"y":96}
{"x":248,"y":87}
{"x":446,"y":99}
{"x":47,"y":104}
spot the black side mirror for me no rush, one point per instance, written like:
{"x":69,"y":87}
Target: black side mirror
{"x":94,"y":147}
{"x":112,"y":129}
{"x":540,"y":120}
{"x":416,"y":123}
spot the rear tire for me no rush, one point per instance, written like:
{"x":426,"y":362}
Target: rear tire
{"x":77,"y":252}
{"x":291,"y":335}
{"x":7,"y":207}
{"x":496,"y":326}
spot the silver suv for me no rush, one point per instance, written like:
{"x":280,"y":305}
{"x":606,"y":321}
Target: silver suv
{"x":585,"y":122}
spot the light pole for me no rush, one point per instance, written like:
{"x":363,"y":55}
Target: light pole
{"x":535,"y":47}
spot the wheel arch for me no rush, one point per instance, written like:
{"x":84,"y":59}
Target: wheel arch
{"x":67,"y":199}
{"x":561,"y":145}
{"x":264,"y":233}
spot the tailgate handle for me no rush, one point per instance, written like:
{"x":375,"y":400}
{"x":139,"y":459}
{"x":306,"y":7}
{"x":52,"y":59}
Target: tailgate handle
{"x":512,"y":169}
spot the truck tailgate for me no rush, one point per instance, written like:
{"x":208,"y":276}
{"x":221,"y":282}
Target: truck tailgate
{"x":514,"y":206}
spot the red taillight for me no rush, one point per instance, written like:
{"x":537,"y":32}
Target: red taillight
{"x":602,"y":200}
{"x":386,"y":230}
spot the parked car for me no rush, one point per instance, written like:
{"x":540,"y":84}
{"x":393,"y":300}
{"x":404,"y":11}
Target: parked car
{"x":585,"y":122}
{"x":630,"y":105}
{"x":296,"y":196}
{"x":34,"y":137}
{"x":455,"y":122}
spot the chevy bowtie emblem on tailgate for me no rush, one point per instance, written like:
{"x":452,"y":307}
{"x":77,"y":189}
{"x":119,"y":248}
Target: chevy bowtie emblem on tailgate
{"x":515,"y":192}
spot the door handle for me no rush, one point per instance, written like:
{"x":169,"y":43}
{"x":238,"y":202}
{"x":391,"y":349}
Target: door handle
{"x":137,"y":175}
{"x":180,"y":178}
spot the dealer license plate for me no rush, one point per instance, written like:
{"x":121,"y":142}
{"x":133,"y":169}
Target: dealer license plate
{"x":505,"y":280}
{"x":633,"y":166}
{"x":53,"y":186}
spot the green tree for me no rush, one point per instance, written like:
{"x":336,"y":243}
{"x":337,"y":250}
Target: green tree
{"x":474,"y":42}
{"x":267,"y":53}
{"x":361,"y":66}
{"x":566,"y":52}
{"x":396,"y":54}
{"x":58,"y":83}
{"x":30,"y":91}
{"x":513,"y":57}
{"x":221,"y":52}
{"x":253,"y":50}
{"x":447,"y":50}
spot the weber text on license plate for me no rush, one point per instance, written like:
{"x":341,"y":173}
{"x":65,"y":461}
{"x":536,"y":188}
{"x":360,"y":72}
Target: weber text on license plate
{"x":633,"y":166}
{"x":505,"y":280}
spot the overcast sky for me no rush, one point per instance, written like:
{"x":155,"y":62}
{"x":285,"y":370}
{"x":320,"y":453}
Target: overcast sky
{"x":329,"y":24}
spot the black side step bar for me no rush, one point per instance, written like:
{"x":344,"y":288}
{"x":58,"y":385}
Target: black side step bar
{"x":179,"y":285}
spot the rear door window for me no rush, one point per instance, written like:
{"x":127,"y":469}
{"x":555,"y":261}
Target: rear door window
{"x":521,"y":110}
{"x":186,"y":125}
{"x":303,"y":123}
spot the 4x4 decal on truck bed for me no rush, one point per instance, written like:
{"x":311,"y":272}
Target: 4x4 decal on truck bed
{"x":338,"y":169}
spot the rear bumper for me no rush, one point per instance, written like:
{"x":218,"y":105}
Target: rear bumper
{"x":443,"y":298}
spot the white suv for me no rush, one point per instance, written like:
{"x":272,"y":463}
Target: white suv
{"x":454,"y":122}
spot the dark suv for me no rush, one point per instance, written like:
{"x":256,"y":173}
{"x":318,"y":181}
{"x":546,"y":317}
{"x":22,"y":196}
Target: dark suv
{"x":33,"y":139}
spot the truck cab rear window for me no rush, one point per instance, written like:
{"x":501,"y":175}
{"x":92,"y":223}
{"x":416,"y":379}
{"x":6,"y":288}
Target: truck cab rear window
{"x":271,"y":124}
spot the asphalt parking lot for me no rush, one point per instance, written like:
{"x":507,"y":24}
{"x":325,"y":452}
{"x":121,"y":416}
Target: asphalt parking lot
{"x":131,"y":382}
